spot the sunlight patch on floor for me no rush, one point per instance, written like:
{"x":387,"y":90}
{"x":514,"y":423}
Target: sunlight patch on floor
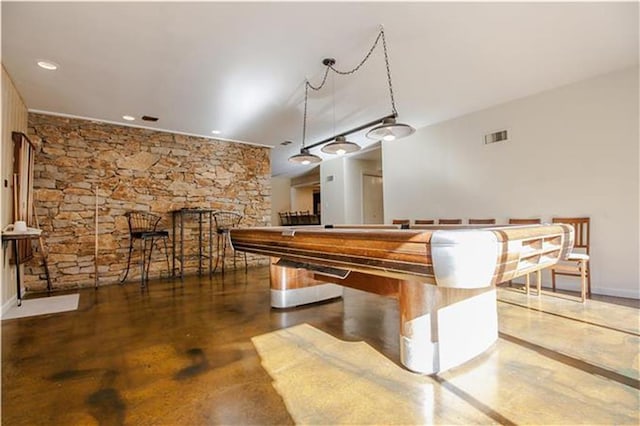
{"x":324,"y":380}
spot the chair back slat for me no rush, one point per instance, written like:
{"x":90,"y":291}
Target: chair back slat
{"x":482,"y":221}
{"x":449,"y":221}
{"x":401,"y":221}
{"x":532,"y":221}
{"x":425,"y":221}
{"x":581,"y":230}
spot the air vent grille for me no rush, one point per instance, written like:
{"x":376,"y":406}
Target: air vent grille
{"x":149,"y":118}
{"x":499,"y":136}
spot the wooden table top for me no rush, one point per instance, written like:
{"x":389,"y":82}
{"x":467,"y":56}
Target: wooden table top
{"x":435,"y":254}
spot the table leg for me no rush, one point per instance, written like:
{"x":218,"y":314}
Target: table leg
{"x":199,"y":243}
{"x":181,"y":246}
{"x":16,"y":256}
{"x":210,"y":243}
{"x":173,"y":246}
{"x":294,"y":287}
{"x":442,"y":327}
{"x":143,"y":258}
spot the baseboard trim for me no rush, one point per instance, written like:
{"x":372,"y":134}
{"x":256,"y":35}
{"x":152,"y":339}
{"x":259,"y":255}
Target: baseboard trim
{"x":9,"y":303}
{"x":615,"y":292}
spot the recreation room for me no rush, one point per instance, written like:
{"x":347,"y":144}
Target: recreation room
{"x":320,"y":213}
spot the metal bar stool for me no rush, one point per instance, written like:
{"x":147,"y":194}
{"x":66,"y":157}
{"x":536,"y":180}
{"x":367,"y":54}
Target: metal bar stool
{"x":143,"y":227}
{"x":224,"y":221}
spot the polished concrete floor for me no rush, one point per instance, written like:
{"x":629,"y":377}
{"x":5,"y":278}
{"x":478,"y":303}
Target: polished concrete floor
{"x":202,"y":352}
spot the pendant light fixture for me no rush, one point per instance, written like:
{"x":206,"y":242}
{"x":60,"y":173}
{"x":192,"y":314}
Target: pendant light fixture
{"x":340,"y":146}
{"x":305,"y":157}
{"x":389,"y":130}
{"x":386,"y":128}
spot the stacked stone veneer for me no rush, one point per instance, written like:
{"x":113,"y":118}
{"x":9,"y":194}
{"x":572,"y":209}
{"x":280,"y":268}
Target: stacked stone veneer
{"x":133,"y":169}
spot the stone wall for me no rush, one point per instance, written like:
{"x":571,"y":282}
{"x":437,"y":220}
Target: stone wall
{"x":132,"y":169}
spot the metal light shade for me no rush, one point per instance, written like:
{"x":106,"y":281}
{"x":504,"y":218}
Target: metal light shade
{"x":389,"y":130}
{"x":305,"y":157}
{"x":340,"y":146}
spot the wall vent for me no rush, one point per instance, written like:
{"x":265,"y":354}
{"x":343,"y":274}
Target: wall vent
{"x":149,"y":118}
{"x":499,"y":136}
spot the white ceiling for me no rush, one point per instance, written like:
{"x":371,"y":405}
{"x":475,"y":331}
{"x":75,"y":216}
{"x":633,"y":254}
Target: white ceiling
{"x":240,"y":67}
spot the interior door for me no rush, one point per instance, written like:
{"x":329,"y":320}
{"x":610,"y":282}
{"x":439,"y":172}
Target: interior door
{"x":372,"y":201}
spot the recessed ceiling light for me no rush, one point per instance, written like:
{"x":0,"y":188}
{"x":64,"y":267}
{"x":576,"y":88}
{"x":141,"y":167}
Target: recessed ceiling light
{"x":216,"y":132}
{"x":128,"y":117}
{"x":48,"y":65}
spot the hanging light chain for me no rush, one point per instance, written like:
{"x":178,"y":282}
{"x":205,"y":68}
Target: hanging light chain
{"x":304,"y":120}
{"x":365,"y":59}
{"x":386,"y":62}
{"x":330,"y":66}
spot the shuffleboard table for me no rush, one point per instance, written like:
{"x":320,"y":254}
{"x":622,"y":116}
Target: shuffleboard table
{"x":443,"y":276}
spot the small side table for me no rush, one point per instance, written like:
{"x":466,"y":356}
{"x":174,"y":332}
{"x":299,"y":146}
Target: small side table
{"x":29,"y":234}
{"x":203,"y":215}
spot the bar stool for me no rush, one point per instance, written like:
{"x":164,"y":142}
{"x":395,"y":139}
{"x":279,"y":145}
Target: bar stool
{"x":224,"y":221}
{"x":143,"y":227}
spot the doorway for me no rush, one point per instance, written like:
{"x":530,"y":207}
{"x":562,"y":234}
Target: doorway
{"x":372,"y":201}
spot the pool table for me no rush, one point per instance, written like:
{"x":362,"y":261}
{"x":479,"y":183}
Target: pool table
{"x":443,"y":276}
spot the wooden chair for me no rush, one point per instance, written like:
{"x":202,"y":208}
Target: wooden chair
{"x":577,"y":264}
{"x":294,"y":219}
{"x":449,"y":221}
{"x":284,"y":218}
{"x":527,"y":278}
{"x":305,"y":217}
{"x":143,"y":226}
{"x":482,"y":221}
{"x":425,"y":221}
{"x":224,"y":221}
{"x":401,"y":221}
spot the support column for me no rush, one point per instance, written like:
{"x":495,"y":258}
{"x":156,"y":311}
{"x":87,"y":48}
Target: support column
{"x":294,"y":287}
{"x":443,"y":327}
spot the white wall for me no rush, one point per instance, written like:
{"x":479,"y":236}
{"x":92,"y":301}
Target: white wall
{"x":354,"y":169}
{"x":332,"y":192}
{"x":280,"y":198}
{"x":302,"y":198}
{"x":342,"y":197}
{"x":573,"y":151}
{"x":14,"y":118}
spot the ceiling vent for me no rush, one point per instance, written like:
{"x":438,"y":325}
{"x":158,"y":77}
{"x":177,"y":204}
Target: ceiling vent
{"x":285,"y":143}
{"x":499,"y":136}
{"x":149,"y":118}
